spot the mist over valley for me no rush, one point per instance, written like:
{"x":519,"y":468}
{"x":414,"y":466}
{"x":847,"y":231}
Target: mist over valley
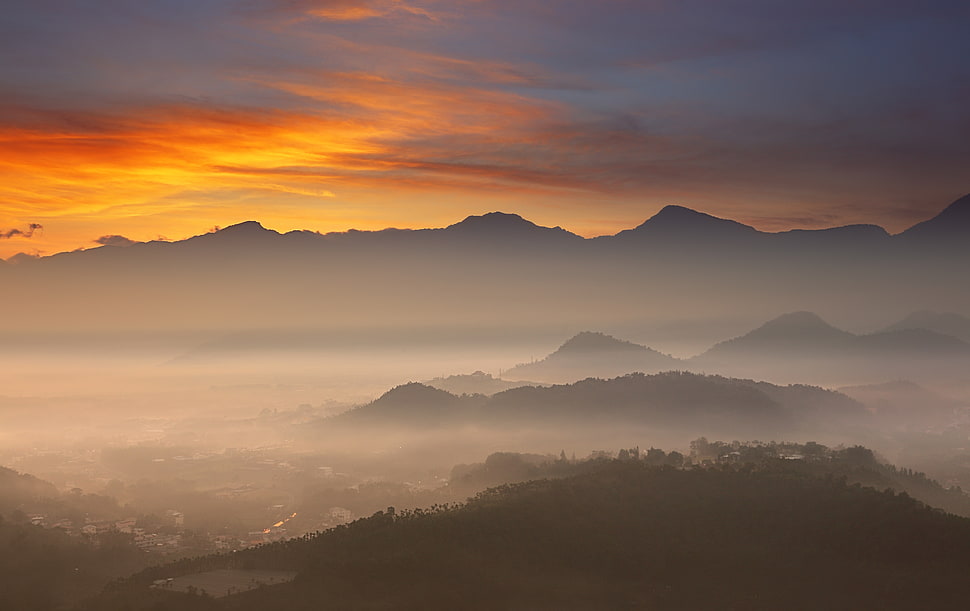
{"x":245,"y":394}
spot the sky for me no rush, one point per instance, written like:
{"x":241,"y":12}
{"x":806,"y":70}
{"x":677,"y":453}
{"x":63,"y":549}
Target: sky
{"x":126,"y":120}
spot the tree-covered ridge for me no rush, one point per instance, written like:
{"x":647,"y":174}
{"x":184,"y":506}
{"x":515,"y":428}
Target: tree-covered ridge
{"x":43,"y":569}
{"x":673,"y":399}
{"x":855,"y":464}
{"x":625,"y":534}
{"x":18,"y":488}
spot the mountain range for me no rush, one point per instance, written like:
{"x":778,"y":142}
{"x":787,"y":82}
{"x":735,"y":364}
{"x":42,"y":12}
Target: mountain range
{"x":799,"y":342}
{"x":673,"y":223}
{"x":944,"y":323}
{"x":672,"y":401}
{"x":496,"y":269}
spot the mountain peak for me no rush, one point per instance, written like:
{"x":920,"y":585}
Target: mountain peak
{"x":589,"y":341}
{"x":952,"y":223}
{"x":679,"y":221}
{"x":958,"y":209}
{"x":240,"y":234}
{"x":945,"y":323}
{"x":797,"y":324}
{"x":493,"y":221}
{"x":244,"y":227}
{"x":802,"y":332}
{"x":677,"y":211}
{"x":504,"y":225}
{"x":415,"y":395}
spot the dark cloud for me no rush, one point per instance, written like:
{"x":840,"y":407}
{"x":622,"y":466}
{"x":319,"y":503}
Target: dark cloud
{"x":115,"y":240}
{"x":6,"y":234}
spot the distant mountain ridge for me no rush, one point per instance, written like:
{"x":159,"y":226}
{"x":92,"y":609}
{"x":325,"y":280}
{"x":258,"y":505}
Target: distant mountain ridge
{"x":494,"y":269}
{"x":945,"y":323}
{"x":478,"y":382}
{"x":953,"y":223}
{"x":789,"y":340}
{"x":801,"y":330}
{"x":678,"y":222}
{"x":671,"y":222}
{"x":806,"y":334}
{"x":671,"y":400}
{"x":591,"y":354}
{"x":803,"y":344}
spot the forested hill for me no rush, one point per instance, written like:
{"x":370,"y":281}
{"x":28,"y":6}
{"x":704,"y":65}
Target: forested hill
{"x":625,"y":535}
{"x":673,"y":399}
{"x":45,"y":569}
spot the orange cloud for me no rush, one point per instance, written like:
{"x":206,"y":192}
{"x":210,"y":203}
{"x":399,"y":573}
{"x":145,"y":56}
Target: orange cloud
{"x":346,"y":10}
{"x":350,"y":10}
{"x":347,"y":132}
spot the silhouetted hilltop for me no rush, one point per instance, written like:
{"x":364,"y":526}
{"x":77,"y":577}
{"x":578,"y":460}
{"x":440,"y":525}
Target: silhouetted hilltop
{"x":672,"y":400}
{"x":624,"y":535}
{"x":505,"y":226}
{"x":245,"y":235}
{"x":241,"y":230}
{"x":410,"y":404}
{"x":679,"y":400}
{"x":414,"y":394}
{"x":804,"y":334}
{"x":478,"y":382}
{"x":804,"y":343}
{"x":797,"y":332}
{"x":588,"y":342}
{"x":950,"y":225}
{"x":911,"y":342}
{"x":946,"y":323}
{"x":589,"y":354}
{"x":678,"y":224}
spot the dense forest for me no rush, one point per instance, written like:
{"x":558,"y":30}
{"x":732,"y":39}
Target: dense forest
{"x":623,"y":534}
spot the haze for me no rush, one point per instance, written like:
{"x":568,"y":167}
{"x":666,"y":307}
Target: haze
{"x":297,"y":293}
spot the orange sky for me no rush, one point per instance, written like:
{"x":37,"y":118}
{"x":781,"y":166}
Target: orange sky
{"x":170,"y":119}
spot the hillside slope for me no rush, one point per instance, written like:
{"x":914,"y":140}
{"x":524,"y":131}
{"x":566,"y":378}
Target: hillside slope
{"x":622,"y":536}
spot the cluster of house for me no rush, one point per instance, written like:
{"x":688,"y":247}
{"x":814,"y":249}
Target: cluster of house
{"x":171,"y":542}
{"x":151,"y":542}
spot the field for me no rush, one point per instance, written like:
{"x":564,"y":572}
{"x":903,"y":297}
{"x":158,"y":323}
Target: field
{"x":226,"y":581}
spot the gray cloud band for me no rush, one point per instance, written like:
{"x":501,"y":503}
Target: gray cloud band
{"x":6,"y":234}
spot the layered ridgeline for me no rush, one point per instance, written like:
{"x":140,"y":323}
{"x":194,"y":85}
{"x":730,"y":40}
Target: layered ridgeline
{"x":799,"y":346}
{"x":591,"y":354}
{"x":477,"y":383}
{"x":944,"y":323}
{"x":622,"y":534}
{"x":804,"y":346}
{"x":498,"y":270}
{"x":682,"y":402}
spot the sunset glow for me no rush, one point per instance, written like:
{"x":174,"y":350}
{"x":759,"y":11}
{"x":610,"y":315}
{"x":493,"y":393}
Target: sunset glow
{"x":163,"y":121}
